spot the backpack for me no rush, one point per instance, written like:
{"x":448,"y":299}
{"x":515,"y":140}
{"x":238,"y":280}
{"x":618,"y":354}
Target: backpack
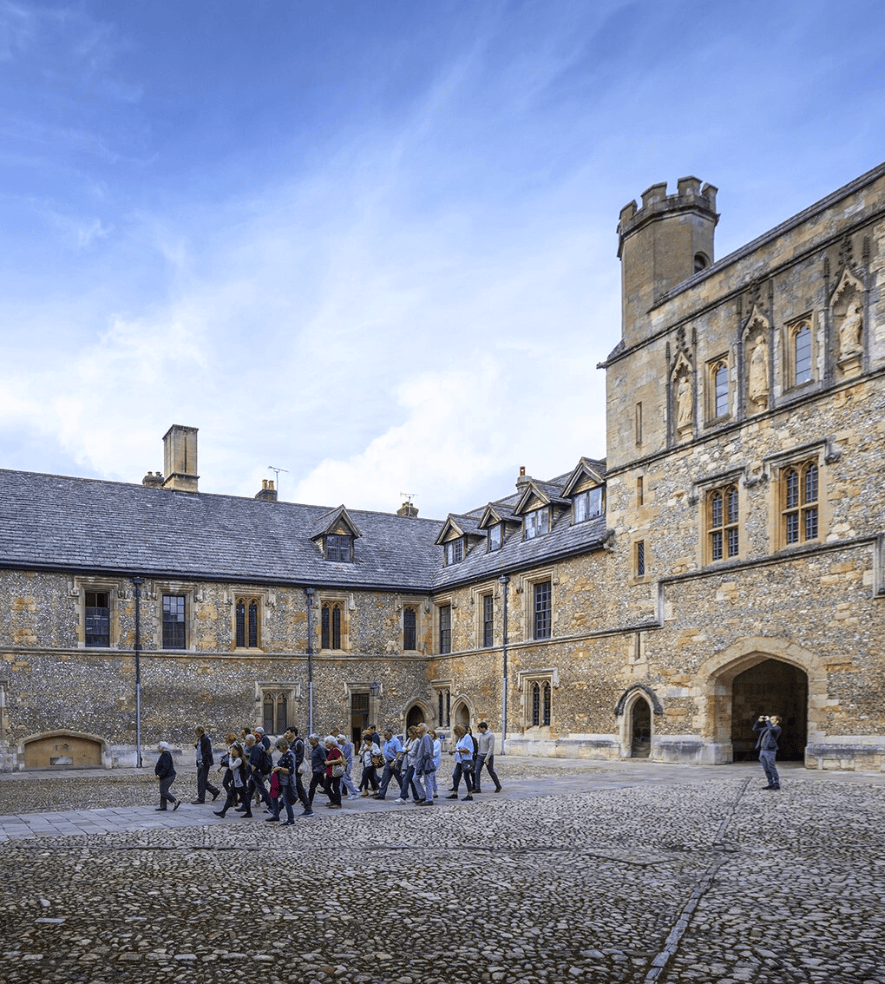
{"x":266,"y":763}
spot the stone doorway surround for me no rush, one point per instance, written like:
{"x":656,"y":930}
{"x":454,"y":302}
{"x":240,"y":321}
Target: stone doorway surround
{"x":716,"y":679}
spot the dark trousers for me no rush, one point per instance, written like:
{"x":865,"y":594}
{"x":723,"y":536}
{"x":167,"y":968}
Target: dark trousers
{"x":369,"y":778}
{"x":465,"y":773}
{"x":256,"y":785}
{"x":165,"y":795}
{"x":489,"y":763}
{"x":389,"y":773}
{"x":203,"y":784}
{"x":317,"y":779}
{"x":300,"y":792}
{"x":333,"y":789}
{"x":767,"y":760}
{"x":232,"y":794}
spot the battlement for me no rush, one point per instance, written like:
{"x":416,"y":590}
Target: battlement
{"x":662,"y":243}
{"x":657,"y":204}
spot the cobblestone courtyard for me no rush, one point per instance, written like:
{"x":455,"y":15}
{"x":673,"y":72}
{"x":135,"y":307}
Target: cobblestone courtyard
{"x":583,"y":872}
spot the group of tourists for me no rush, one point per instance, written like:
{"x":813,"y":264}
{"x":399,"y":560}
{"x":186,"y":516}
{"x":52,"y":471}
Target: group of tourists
{"x":252,"y":775}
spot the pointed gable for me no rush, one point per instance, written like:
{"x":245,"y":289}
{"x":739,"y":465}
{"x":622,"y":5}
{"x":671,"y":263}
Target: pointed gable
{"x":338,"y":522}
{"x":456,"y":526}
{"x":536,"y":494}
{"x":495,"y":513}
{"x":586,"y":473}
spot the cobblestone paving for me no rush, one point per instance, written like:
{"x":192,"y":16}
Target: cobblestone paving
{"x":707,"y":879}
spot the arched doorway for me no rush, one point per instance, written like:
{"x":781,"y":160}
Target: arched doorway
{"x":415,"y":716}
{"x":770,"y":687}
{"x":640,"y":729}
{"x":461,"y":715}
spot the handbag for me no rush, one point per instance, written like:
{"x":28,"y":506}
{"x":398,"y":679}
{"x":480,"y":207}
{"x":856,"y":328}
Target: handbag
{"x":337,"y":769}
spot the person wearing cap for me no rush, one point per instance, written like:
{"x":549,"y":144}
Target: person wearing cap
{"x":165,"y":772}
{"x":393,"y":751}
{"x":261,"y":736}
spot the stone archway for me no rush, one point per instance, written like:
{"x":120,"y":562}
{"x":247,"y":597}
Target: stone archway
{"x":787,"y":679}
{"x":770,"y":687}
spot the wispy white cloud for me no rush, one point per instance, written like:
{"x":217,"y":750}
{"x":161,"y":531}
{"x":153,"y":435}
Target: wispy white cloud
{"x":415,"y":302}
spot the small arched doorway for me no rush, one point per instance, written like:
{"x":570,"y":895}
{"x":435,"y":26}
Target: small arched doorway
{"x":415,"y":716}
{"x":640,"y":729}
{"x":770,"y":687}
{"x":461,"y":715}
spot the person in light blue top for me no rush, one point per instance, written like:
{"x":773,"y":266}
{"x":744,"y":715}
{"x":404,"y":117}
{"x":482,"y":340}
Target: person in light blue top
{"x":393,"y":752}
{"x":464,"y":757}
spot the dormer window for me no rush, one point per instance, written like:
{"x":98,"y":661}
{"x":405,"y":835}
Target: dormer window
{"x":496,"y":536}
{"x":454,"y":551}
{"x":587,"y":505}
{"x":537,"y":523}
{"x":339,"y":547}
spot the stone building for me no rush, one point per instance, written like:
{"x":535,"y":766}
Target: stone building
{"x":724,"y":560}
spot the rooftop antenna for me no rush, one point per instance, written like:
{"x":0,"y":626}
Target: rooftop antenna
{"x":408,"y":496}
{"x":277,"y":471}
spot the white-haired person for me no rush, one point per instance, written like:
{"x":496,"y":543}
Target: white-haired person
{"x":347,"y":785}
{"x":165,"y":772}
{"x":334,"y":771}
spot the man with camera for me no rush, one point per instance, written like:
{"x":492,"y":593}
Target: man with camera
{"x":769,"y":729}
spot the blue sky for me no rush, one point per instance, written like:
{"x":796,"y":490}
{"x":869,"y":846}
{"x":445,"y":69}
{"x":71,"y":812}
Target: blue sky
{"x":373,"y":243}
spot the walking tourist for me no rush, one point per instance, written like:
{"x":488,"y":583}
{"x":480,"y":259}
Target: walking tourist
{"x":165,"y":772}
{"x":205,"y":760}
{"x":485,"y":756}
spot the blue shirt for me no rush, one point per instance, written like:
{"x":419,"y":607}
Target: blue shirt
{"x":392,"y":749}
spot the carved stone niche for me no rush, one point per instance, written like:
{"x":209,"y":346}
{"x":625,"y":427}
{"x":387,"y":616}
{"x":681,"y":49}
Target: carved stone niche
{"x":683,"y":399}
{"x":847,"y":319}
{"x":758,"y":362}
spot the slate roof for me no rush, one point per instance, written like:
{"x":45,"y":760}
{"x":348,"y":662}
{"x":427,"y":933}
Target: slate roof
{"x":55,"y":523}
{"x":50,"y":522}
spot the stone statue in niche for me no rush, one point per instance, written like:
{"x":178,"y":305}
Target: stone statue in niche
{"x":757,"y":388}
{"x":851,"y":332}
{"x":684,"y":402}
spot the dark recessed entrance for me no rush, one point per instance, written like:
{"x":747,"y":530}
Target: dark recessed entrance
{"x":641,"y":729}
{"x":770,"y":687}
{"x":415,"y":716}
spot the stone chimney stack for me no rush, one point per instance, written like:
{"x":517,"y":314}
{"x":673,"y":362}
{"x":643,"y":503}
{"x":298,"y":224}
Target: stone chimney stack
{"x":408,"y":510}
{"x":268,"y":493}
{"x":180,"y":459}
{"x":155,"y":481}
{"x":523,"y":479}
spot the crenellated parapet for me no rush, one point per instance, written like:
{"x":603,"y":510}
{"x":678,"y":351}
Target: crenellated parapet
{"x":662,"y":243}
{"x":657,"y":204}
